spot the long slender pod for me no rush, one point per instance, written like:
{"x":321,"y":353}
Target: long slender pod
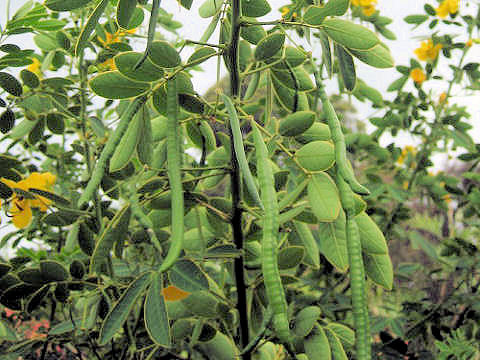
{"x":339,"y":141}
{"x":174,"y":176}
{"x":271,"y":274}
{"x":151,"y":32}
{"x":144,"y":220}
{"x":240,"y":150}
{"x":357,"y":273}
{"x":109,"y":149}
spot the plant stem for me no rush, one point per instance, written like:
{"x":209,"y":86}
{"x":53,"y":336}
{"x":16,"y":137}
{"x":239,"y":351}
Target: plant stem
{"x":236,"y":219}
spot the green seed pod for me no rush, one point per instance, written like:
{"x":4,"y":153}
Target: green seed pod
{"x":296,"y":123}
{"x":126,"y":147}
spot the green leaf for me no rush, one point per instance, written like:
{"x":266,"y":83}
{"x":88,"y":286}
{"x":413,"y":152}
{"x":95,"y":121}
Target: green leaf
{"x":349,"y":34}
{"x":65,"y":5}
{"x":53,"y":271}
{"x":335,"y":345}
{"x":10,"y":84}
{"x":378,"y":56}
{"x":269,"y":46}
{"x":90,"y":26}
{"x":29,"y":78}
{"x":419,"y":241}
{"x":60,"y":218}
{"x":49,"y":25}
{"x":379,"y":269}
{"x":332,"y":242}
{"x":462,"y":139}
{"x":317,"y":132}
{"x":253,"y":33}
{"x":297,"y":79}
{"x":200,"y":55}
{"x":312,"y":254}
{"x":316,"y":155}
{"x":317,"y":346}
{"x":290,"y":256}
{"x":113,"y":85}
{"x":125,"y":9}
{"x":164,"y":55}
{"x":7,"y":121}
{"x":323,"y":197}
{"x":146,"y":72}
{"x":221,"y":347}
{"x":398,"y":84}
{"x":371,"y":237}
{"x":6,"y":332}
{"x":255,"y":8}
{"x":156,"y":317}
{"x":305,"y":320}
{"x":4,"y":269}
{"x":120,"y":311}
{"x":115,"y":231}
{"x":314,"y":15}
{"x":344,"y":333}
{"x":347,"y":67}
{"x":51,"y":196}
{"x":296,"y":123}
{"x":188,"y":276}
{"x":209,"y":8}
{"x":415,"y":19}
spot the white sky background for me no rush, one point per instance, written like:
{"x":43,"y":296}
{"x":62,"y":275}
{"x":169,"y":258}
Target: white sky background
{"x":402,"y":50}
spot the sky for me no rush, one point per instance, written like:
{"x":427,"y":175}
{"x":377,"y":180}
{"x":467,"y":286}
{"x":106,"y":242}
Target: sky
{"x":402,"y":50}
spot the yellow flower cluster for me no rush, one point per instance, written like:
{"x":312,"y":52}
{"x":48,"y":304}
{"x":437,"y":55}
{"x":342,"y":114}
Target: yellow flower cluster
{"x":112,"y":39}
{"x":21,"y":206}
{"x":368,"y":6}
{"x":408,"y":149}
{"x":447,"y":7}
{"x":427,"y":50}
{"x":418,"y":76}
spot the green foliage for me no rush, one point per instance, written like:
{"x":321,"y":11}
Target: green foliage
{"x":283,"y":235}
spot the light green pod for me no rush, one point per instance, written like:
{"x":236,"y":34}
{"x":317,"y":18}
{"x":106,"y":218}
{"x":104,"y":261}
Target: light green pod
{"x":125,"y":149}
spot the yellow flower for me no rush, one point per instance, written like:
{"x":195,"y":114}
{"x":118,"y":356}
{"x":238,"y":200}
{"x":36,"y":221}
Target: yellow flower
{"x":447,"y":198}
{"x":408,"y":149}
{"x":368,"y":10}
{"x":418,"y":76}
{"x":368,"y":6}
{"x":35,"y":67}
{"x":447,"y":7}
{"x":428,"y":51}
{"x":284,"y":10}
{"x":469,"y":43}
{"x":109,"y":64}
{"x":116,"y":37}
{"x":21,"y":208}
{"x":442,"y":97}
{"x":405,"y":185}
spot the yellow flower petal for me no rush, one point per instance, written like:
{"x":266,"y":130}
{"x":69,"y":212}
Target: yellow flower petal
{"x":418,"y":75}
{"x":21,"y":213}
